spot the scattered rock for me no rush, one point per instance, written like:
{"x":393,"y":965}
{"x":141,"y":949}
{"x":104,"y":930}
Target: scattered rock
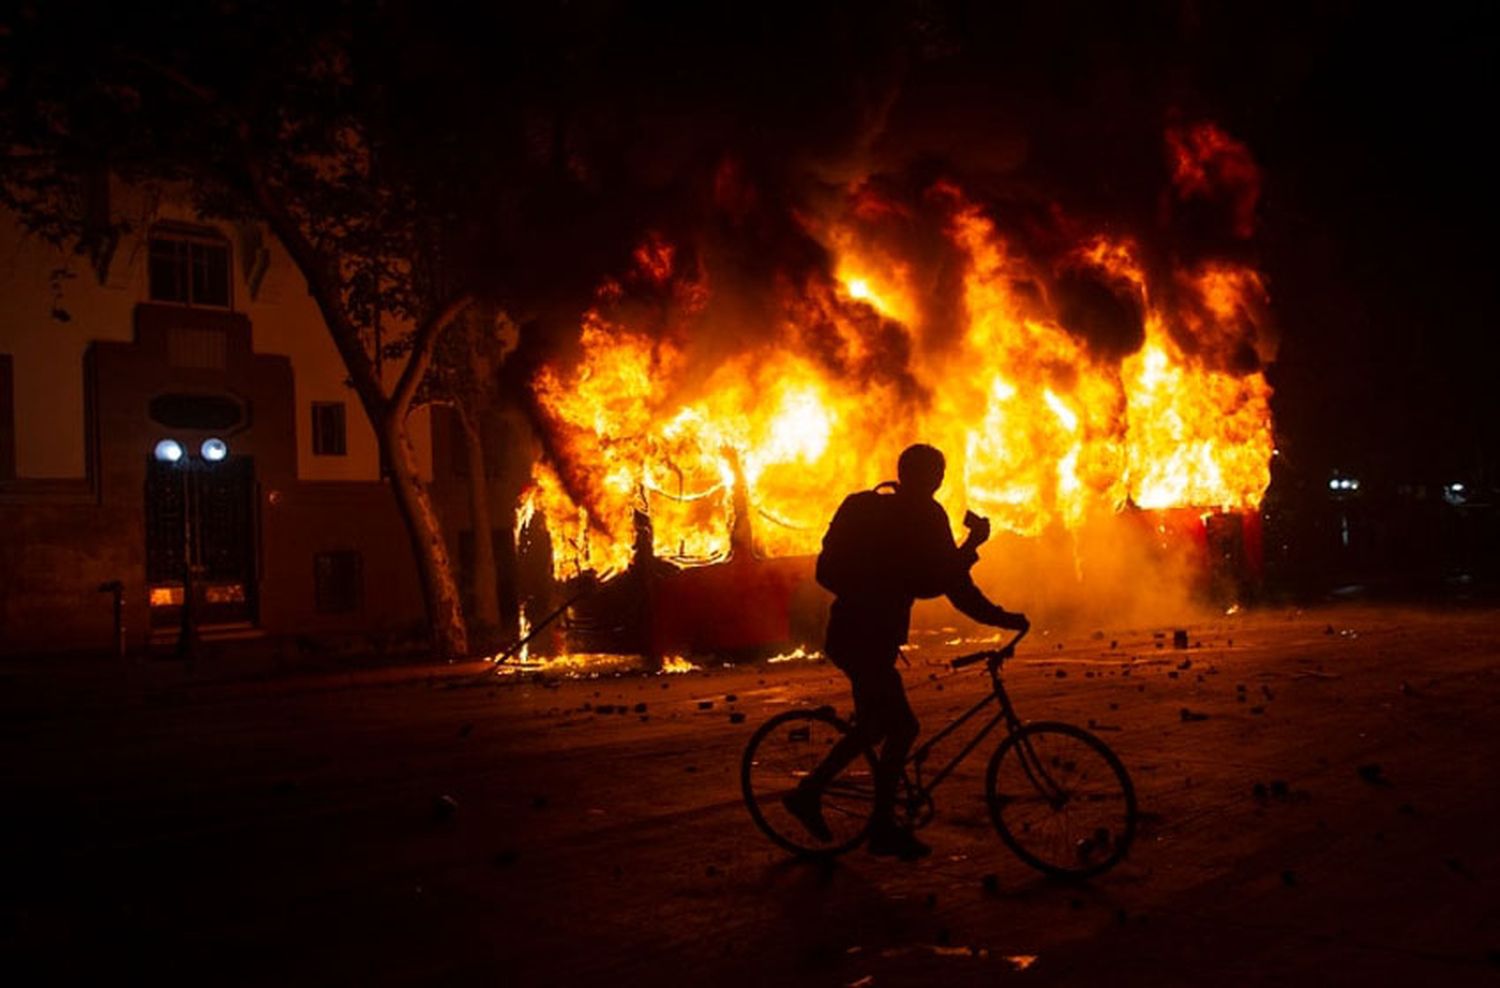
{"x":1328,"y":630}
{"x":1172,"y":674}
{"x":705,"y":704}
{"x":1191,"y":715}
{"x":605,"y":708}
{"x":539,"y":802}
{"x":1114,"y":706}
{"x":640,"y":708}
{"x":1279,"y":788}
{"x":1062,"y":674}
{"x":1259,"y":791}
{"x":690,"y":768}
{"x":1113,"y":644}
{"x":730,"y":698}
{"x":464,"y":730}
{"x":990,"y":883}
{"x":1257,"y":711}
{"x":737,"y":717}
{"x":1289,"y":878}
{"x":931,"y":901}
{"x":1180,"y":638}
{"x":505,"y":858}
{"x":711,"y":871}
{"x":1373,"y":774}
{"x":1185,"y":664}
{"x":444,"y":808}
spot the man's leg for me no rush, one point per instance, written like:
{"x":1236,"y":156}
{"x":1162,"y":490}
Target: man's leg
{"x":900,"y":727}
{"x":884,"y":700}
{"x":805,"y":802}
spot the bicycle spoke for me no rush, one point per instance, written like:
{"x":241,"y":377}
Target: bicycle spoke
{"x":1059,"y":801}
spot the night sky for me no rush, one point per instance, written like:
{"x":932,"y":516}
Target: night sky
{"x":1370,"y":125}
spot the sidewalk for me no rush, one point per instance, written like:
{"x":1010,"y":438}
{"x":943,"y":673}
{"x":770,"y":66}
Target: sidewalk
{"x":47,"y":681}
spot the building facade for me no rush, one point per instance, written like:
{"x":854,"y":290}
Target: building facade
{"x":120,"y":377}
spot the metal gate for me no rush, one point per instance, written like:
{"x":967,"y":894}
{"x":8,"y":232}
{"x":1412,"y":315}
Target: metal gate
{"x":203,"y":513}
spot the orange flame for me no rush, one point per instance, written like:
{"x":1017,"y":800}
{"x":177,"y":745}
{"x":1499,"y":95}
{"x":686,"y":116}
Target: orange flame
{"x":1039,"y":430}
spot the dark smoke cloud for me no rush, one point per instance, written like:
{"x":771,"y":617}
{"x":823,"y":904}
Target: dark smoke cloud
{"x":726,"y":131}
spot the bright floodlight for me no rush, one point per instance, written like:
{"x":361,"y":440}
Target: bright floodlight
{"x":1334,"y":484}
{"x":168,"y":451}
{"x":214,"y":450}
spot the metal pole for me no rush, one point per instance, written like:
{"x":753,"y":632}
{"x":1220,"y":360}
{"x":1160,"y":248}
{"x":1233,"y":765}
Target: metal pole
{"x":186,"y":646}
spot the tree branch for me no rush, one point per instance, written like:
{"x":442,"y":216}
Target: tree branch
{"x":421,"y":352}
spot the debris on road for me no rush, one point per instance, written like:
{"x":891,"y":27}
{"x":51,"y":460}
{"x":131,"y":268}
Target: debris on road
{"x":1373,"y":774}
{"x":444,"y":808}
{"x":1191,"y":715}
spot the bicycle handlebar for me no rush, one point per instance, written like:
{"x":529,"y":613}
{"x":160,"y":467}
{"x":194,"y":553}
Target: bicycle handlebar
{"x":994,"y":655}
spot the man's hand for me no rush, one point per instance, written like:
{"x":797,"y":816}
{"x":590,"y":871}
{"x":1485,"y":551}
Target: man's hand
{"x":979,"y":529}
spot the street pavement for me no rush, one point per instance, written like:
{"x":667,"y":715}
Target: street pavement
{"x":421,"y":828}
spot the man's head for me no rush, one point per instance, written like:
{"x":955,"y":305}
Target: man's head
{"x":920,"y":469}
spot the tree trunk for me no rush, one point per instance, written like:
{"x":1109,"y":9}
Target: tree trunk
{"x":486,"y":581}
{"x":450,"y":639}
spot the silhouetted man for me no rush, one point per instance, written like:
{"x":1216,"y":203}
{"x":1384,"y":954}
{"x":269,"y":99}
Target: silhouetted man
{"x":885,"y":548}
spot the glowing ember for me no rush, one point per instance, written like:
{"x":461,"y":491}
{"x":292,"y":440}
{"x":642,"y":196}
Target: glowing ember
{"x":796,"y":654}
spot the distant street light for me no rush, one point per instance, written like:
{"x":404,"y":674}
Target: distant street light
{"x":168,"y":451}
{"x":214,"y":450}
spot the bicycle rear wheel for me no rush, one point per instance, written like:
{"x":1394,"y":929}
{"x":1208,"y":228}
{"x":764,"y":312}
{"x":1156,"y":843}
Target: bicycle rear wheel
{"x":1061,"y":800}
{"x":784,"y":751}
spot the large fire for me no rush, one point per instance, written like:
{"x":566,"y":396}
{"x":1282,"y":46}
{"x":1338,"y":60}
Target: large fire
{"x":1041,"y":429}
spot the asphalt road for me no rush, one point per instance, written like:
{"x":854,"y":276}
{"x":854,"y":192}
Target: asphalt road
{"x":422,"y":832}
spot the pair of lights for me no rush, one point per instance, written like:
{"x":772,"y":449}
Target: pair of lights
{"x":170,"y":450}
{"x":1343,"y":484}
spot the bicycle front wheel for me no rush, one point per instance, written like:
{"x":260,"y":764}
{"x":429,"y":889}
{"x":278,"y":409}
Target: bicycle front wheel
{"x":784,"y":751}
{"x":1061,"y":800}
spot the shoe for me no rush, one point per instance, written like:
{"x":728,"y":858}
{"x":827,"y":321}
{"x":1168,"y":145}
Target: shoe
{"x":891,"y":841}
{"x":806,"y":804}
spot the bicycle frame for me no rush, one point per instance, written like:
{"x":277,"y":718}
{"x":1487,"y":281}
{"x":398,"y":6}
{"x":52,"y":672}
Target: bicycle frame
{"x":1006,"y":714}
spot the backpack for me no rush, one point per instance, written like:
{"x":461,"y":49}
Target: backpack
{"x":856,"y":548}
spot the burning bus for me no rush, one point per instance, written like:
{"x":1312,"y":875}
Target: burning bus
{"x":1078,"y":379}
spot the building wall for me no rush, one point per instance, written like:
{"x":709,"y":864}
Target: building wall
{"x":84,"y":357}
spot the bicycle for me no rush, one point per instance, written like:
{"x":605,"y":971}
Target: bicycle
{"x":1060,"y":799}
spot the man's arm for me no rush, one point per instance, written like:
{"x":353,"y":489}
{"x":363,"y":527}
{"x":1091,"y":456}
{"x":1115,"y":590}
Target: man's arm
{"x":970,"y":601}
